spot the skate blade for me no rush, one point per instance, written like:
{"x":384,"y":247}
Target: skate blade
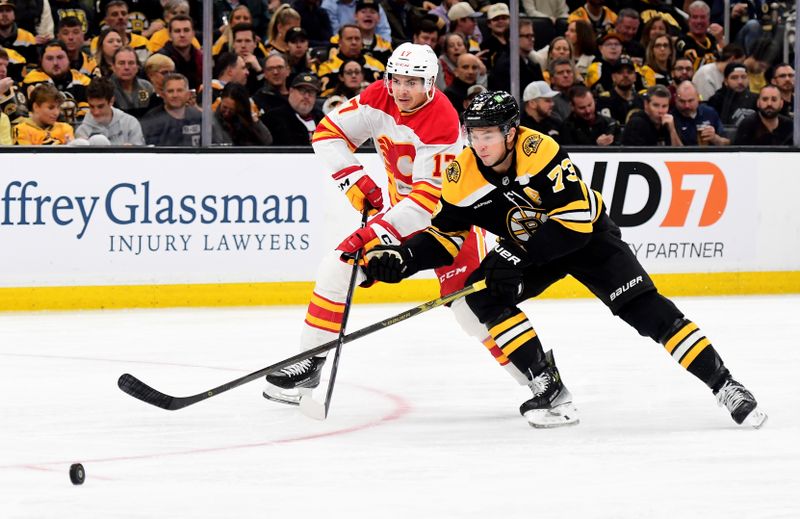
{"x":280,"y":395}
{"x":560,"y":416}
{"x":756,"y":419}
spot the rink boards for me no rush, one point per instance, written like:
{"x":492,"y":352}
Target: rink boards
{"x":126,"y":229}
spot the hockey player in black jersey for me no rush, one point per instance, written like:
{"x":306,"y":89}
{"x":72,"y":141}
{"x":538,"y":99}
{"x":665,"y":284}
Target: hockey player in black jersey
{"x":519,"y":185}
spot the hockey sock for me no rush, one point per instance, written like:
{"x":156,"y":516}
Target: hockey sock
{"x":504,"y":361}
{"x":692,"y":350}
{"x":517,"y":340}
{"x":323,"y":321}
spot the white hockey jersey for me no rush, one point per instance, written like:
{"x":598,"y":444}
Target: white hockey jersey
{"x":415,"y":147}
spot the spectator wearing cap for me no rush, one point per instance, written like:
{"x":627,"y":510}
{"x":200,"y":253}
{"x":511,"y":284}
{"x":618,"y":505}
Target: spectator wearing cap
{"x":709,"y":77}
{"x":653,"y":126}
{"x":275,"y":92}
{"x":116,"y":17}
{"x":595,"y":12}
{"x":766,"y":127}
{"x":781,"y":76}
{"x":132,"y":95}
{"x":245,"y":44}
{"x":699,"y":45}
{"x":562,"y":78}
{"x":734,"y":101}
{"x":549,"y":17}
{"x":495,"y":43}
{"x":598,"y":75}
{"x":622,"y":98}
{"x":13,"y":38}
{"x":463,"y":20}
{"x":585,"y":125}
{"x":343,"y":12}
{"x":537,"y":112}
{"x":54,"y":69}
{"x":293,"y":124}
{"x":627,"y":27}
{"x":697,"y":123}
{"x":351,"y":46}
{"x":529,"y":69}
{"x":367,"y":16}
{"x":467,"y":71}
{"x":298,"y":56}
{"x":314,"y":20}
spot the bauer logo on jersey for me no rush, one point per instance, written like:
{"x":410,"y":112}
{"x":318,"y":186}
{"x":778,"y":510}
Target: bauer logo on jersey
{"x":453,"y":172}
{"x":524,"y":221}
{"x":531,"y":144}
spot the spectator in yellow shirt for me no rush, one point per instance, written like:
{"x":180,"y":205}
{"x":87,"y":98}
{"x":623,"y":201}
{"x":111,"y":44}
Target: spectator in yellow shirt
{"x":42,"y":127}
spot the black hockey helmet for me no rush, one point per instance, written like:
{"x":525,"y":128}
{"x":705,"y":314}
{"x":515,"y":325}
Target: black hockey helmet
{"x":496,"y":108}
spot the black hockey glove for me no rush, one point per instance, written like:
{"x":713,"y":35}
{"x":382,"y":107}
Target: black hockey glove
{"x":503,"y":268}
{"x":390,"y":263}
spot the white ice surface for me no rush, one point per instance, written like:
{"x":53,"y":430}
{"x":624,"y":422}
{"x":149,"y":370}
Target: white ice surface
{"x":423,"y":423}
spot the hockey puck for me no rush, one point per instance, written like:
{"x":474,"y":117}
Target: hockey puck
{"x":76,"y":474}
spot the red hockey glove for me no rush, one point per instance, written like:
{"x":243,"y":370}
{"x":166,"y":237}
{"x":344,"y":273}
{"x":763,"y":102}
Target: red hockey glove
{"x":376,"y":232}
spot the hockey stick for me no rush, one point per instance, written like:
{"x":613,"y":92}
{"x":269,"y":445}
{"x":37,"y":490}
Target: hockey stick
{"x":309,"y":406}
{"x":138,"y":389}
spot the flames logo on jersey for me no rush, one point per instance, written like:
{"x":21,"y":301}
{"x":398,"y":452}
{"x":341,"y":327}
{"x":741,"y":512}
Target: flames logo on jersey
{"x":453,"y":172}
{"x":523,"y":222}
{"x":531,"y":144}
{"x":398,"y":158}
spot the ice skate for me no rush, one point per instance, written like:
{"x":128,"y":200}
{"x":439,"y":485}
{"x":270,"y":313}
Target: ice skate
{"x":741,"y":404}
{"x":290,"y":383}
{"x":551,"y":405}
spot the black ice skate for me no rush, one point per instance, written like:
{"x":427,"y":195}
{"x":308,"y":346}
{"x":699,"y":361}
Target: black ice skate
{"x":551,"y":405}
{"x":288,"y":385}
{"x":741,"y":404}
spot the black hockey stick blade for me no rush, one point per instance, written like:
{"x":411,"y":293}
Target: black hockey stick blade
{"x":138,"y":389}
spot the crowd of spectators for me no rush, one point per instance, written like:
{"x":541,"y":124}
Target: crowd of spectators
{"x":599,"y":73}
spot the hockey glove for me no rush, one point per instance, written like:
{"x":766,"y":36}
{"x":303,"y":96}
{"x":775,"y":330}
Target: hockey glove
{"x":364,"y":192}
{"x":376,"y":232}
{"x":390,"y":263}
{"x":503,"y":268}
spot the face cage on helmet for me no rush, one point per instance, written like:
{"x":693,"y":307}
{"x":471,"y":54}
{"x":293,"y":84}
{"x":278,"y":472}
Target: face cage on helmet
{"x":429,"y":82}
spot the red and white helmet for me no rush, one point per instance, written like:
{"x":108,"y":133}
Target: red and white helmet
{"x":411,"y":59}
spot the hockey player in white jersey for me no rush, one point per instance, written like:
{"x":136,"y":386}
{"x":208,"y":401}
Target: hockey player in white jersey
{"x":416,"y":131}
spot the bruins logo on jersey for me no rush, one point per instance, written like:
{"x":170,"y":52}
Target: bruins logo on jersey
{"x":453,"y":172}
{"x":523,"y":222}
{"x":531,"y":144}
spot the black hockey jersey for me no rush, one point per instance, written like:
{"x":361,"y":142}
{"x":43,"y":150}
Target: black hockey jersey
{"x":541,"y":203}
